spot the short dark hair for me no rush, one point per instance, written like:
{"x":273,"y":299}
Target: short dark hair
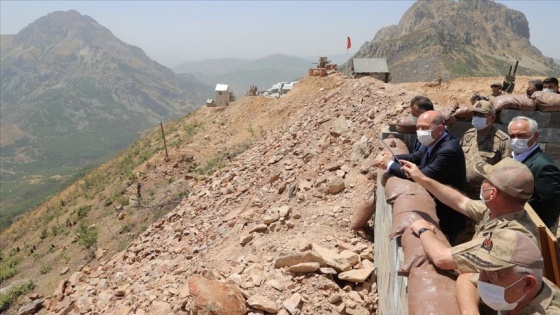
{"x":422,"y":102}
{"x":538,"y":84}
{"x":552,"y":80}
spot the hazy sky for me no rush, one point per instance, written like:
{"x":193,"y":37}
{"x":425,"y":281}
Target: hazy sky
{"x":172,"y":32}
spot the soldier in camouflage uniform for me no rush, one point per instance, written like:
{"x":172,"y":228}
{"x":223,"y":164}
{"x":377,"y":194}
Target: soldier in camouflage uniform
{"x":496,"y":90}
{"x":483,"y":143}
{"x":511,"y":277}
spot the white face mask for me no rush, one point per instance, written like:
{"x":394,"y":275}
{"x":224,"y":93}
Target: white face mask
{"x":482,"y":198}
{"x":415,"y":119}
{"x":425,"y":136}
{"x":548,"y":90}
{"x":494,"y":296}
{"x":479,"y":123}
{"x":519,"y":145}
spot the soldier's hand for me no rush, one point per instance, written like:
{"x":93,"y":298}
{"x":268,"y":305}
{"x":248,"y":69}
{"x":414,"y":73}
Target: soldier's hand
{"x":411,"y":170}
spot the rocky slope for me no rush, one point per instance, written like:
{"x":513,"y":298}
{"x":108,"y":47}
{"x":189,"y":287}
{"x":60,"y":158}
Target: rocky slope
{"x":72,"y":93}
{"x":290,"y":192}
{"x":457,"y":38}
{"x":291,"y":172}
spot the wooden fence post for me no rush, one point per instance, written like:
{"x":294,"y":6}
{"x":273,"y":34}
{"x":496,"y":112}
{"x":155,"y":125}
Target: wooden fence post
{"x":164,"y":143}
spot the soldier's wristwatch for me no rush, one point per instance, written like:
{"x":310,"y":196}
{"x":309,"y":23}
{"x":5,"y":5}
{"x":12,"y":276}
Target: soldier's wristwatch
{"x":422,"y":230}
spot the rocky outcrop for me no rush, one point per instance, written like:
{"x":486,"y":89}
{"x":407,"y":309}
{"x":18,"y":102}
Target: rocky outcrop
{"x":457,"y":38}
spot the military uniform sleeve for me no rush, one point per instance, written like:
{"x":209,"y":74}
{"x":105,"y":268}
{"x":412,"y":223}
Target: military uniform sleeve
{"x":458,"y":253}
{"x":505,"y":146}
{"x":476,"y":210}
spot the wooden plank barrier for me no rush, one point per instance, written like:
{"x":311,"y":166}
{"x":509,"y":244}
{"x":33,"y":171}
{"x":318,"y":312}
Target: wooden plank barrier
{"x":549,"y":248}
{"x":391,"y":288}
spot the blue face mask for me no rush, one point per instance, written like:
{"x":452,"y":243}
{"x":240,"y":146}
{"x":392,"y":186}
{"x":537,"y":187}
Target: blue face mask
{"x":479,"y":123}
{"x":520,"y":145}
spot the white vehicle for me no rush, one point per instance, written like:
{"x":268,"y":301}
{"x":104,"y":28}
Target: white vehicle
{"x":288,"y":87}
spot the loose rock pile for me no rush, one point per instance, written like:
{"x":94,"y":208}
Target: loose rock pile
{"x":268,"y":233}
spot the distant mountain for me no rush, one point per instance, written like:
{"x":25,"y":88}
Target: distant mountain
{"x":457,"y":38}
{"x":73,"y":93}
{"x":241,"y":74}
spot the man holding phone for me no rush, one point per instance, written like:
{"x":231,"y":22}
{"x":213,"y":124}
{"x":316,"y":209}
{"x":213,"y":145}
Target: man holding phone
{"x":439,"y":157}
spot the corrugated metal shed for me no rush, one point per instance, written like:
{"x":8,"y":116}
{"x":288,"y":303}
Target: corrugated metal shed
{"x":221,"y":87}
{"x":370,"y":65}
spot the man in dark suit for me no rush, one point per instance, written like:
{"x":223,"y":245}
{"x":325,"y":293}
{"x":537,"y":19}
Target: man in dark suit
{"x":524,"y":135}
{"x":419,"y":105}
{"x":439,"y":157}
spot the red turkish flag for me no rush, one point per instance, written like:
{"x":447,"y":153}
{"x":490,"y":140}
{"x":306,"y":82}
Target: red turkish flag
{"x":348,"y":43}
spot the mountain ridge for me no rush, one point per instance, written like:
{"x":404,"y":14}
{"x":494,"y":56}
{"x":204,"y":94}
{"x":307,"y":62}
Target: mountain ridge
{"x":73,"y":94}
{"x":457,"y":38}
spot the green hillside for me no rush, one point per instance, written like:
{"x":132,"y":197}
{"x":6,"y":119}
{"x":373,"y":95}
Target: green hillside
{"x":73,"y":95}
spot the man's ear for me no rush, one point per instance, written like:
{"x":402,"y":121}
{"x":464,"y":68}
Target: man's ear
{"x":530,"y":283}
{"x":536,"y":136}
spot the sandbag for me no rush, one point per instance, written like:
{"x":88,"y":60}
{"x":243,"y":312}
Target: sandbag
{"x":504,"y":101}
{"x":447,"y":114}
{"x":525,"y":103}
{"x":414,"y":254}
{"x":385,"y":177}
{"x":397,"y":145}
{"x":547,"y":102}
{"x":463,"y":111}
{"x":431,"y":292}
{"x":363,"y":212}
{"x":406,"y":124}
{"x":521,"y":102}
{"x":407,"y":209}
{"x":397,"y":186}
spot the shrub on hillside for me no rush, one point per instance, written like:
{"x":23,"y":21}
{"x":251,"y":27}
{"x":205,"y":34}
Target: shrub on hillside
{"x":8,"y":268}
{"x":88,"y":236}
{"x":45,"y":269}
{"x":6,"y":299}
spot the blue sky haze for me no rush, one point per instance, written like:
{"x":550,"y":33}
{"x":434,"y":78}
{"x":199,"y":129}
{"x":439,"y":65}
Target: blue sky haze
{"x":173,"y":32}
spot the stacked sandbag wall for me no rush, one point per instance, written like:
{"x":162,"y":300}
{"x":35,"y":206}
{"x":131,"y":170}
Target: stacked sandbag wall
{"x":408,"y":283}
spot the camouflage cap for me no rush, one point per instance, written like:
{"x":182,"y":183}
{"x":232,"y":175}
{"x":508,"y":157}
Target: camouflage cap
{"x":509,"y":176}
{"x":498,"y":84}
{"x":483,"y":107}
{"x":504,"y":248}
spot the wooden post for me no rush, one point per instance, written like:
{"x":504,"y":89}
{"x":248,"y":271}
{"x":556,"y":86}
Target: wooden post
{"x":391,"y":288}
{"x":163,"y":136}
{"x":549,"y":247}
